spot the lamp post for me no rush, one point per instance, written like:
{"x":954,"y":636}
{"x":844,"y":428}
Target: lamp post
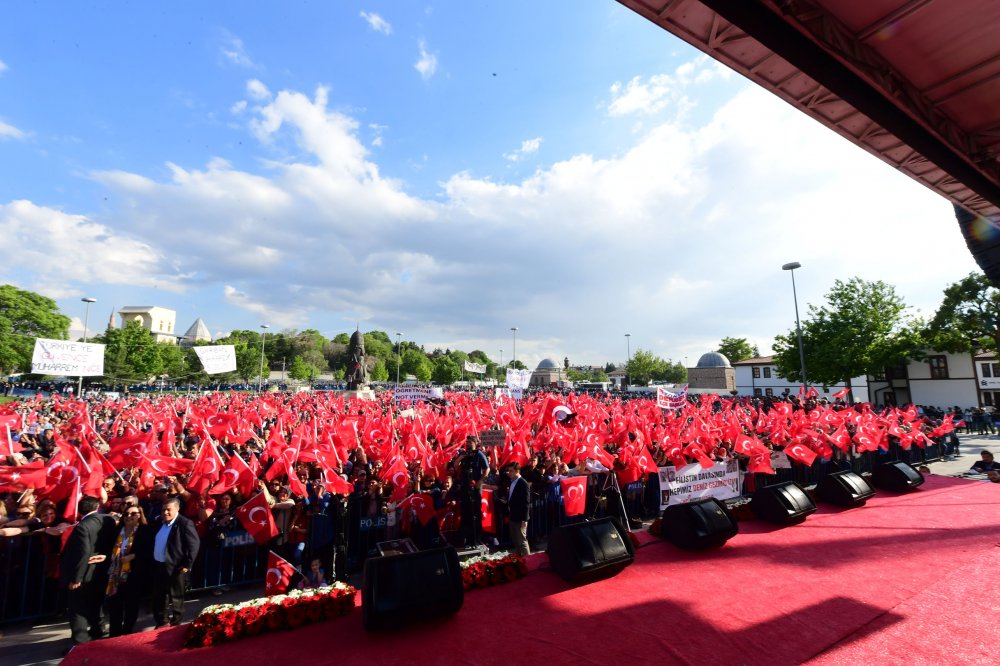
{"x":500,"y":367}
{"x":628,"y":349}
{"x":790,"y":267}
{"x":513,"y":360}
{"x":86,"y":316}
{"x":399,"y":355}
{"x":263,"y":338}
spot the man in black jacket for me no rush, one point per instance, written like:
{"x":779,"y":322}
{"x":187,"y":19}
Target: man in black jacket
{"x":517,"y":509}
{"x":175,"y":545}
{"x":84,"y":569}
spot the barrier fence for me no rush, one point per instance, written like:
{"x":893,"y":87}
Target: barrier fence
{"x":349,"y":532}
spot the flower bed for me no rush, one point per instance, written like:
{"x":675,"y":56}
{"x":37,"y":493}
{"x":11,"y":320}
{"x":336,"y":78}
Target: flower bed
{"x":492,"y":570}
{"x":229,"y":622}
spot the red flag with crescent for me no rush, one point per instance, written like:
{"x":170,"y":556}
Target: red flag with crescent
{"x":256,"y":518}
{"x":489,"y":525}
{"x":279,"y":574}
{"x":207,"y":469}
{"x":574,"y":492}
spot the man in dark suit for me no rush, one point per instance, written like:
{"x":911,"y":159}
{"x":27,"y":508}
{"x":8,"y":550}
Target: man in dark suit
{"x":84,"y":569}
{"x":175,"y":545}
{"x":517,"y":509}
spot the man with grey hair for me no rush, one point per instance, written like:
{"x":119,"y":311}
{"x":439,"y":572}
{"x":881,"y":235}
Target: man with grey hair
{"x":175,"y":545}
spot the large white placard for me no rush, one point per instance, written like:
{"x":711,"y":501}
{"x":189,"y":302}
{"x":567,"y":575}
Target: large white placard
{"x":475,"y":368}
{"x":62,"y":357}
{"x":217,"y":358}
{"x":518,"y":379}
{"x":416,"y":393}
{"x":693,"y":482}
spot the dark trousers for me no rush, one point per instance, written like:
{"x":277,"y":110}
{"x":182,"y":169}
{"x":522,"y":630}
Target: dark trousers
{"x":123,"y":608}
{"x":84,"y":608}
{"x":168,"y":595}
{"x":471,"y":527}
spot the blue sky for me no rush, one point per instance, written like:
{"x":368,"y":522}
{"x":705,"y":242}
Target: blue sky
{"x":446,"y":169}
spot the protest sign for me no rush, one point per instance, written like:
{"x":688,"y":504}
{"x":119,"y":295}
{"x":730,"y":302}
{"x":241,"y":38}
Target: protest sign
{"x":216,"y":359}
{"x":694,"y":482}
{"x":62,"y":357}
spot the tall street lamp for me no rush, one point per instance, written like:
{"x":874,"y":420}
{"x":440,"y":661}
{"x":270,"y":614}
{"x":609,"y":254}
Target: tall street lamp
{"x":263,"y":338}
{"x":86,"y":316}
{"x":513,"y":360}
{"x":500,"y":366}
{"x":791,"y":266}
{"x":628,"y":349}
{"x":399,"y":355}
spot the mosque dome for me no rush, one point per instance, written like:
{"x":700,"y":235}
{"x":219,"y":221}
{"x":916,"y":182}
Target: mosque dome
{"x":713,"y":360}
{"x":547,"y":364}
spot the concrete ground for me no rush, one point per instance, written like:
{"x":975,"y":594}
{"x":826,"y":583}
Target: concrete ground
{"x":43,"y":642}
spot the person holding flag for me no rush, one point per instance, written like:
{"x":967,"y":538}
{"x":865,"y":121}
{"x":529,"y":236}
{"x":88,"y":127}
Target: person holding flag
{"x":473,"y":468}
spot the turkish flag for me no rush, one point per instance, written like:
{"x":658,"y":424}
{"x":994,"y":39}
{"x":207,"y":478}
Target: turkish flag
{"x":7,"y":445}
{"x":207,"y":469}
{"x":420,"y":506}
{"x":280,"y":573}
{"x":236,"y":474}
{"x":841,"y":393}
{"x":801,"y":452}
{"x":487,"y":505}
{"x":11,"y":420}
{"x":256,"y":518}
{"x":760,"y":463}
{"x":574,"y":492}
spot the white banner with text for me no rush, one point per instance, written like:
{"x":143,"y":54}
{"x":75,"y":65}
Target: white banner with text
{"x":217,"y":359}
{"x":694,"y":482}
{"x":63,"y":357}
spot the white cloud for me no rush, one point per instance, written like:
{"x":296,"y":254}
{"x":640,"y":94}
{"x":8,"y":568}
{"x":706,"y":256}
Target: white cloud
{"x":257,"y":90}
{"x":427,"y":63}
{"x":9,"y":131}
{"x":528,"y":147}
{"x":3,"y":66}
{"x":233,"y":51}
{"x":377,"y":23}
{"x":239,"y":107}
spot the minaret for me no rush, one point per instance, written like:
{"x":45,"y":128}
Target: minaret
{"x":111,"y":320}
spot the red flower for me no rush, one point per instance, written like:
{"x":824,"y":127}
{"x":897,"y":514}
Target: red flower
{"x":296,"y":616}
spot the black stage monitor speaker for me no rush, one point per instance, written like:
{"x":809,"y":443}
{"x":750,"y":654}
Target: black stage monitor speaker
{"x":844,"y":489}
{"x":782,"y":504}
{"x":897,"y":477}
{"x":400,"y":588}
{"x":584,"y":551}
{"x":698,"y":525}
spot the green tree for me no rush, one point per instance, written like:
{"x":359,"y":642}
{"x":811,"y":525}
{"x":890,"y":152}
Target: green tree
{"x":863,"y":329}
{"x":342,"y":339}
{"x":968,"y":316}
{"x":737,"y":349}
{"x":446,"y":371}
{"x":378,"y":345}
{"x":174,"y":361}
{"x":24,"y":316}
{"x":131,"y":353}
{"x":645,"y":367}
{"x":379,"y":373}
{"x":299,"y":369}
{"x":416,"y":363}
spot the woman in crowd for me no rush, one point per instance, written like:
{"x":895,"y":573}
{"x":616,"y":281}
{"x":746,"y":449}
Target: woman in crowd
{"x":127,"y":572}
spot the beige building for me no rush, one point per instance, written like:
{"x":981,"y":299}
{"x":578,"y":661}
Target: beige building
{"x":158,"y":321}
{"x":713,"y":371}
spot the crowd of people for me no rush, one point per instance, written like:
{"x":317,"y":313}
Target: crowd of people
{"x":124,"y":492}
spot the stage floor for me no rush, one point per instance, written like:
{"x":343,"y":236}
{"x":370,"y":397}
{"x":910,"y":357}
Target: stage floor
{"x":906,"y":579}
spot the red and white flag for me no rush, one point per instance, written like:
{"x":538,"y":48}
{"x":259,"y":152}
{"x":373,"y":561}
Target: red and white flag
{"x":489,"y":524}
{"x":574,"y":492}
{"x":841,"y":393}
{"x":279,"y":574}
{"x":255,"y":516}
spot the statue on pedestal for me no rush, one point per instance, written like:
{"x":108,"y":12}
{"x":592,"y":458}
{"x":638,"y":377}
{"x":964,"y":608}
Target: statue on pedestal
{"x":357,"y":373}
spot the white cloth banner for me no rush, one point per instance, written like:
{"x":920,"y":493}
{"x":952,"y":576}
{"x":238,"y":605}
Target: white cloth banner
{"x":518,"y":379}
{"x":693,"y":482}
{"x":62,"y":357}
{"x":501,"y":392}
{"x":416,"y":393}
{"x":475,"y":368}
{"x":667,"y":400}
{"x":217,"y":358}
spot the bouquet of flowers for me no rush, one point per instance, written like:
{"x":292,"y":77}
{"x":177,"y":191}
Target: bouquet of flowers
{"x":492,"y":570}
{"x":229,"y":622}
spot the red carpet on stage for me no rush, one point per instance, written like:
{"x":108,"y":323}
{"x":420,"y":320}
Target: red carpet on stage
{"x":907,"y":579}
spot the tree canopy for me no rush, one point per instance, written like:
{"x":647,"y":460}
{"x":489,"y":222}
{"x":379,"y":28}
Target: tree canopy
{"x":24,"y":316}
{"x":737,"y":349}
{"x":969,"y":316}
{"x":645,"y":367}
{"x":863,"y":329}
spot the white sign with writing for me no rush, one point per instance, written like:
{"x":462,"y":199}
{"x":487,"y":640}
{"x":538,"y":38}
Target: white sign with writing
{"x":62,"y":357}
{"x":518,"y":379}
{"x":417,"y":393}
{"x":217,"y":359}
{"x":694,"y":482}
{"x":475,"y":368}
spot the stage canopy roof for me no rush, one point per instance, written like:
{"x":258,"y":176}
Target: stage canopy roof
{"x":914,"y":82}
